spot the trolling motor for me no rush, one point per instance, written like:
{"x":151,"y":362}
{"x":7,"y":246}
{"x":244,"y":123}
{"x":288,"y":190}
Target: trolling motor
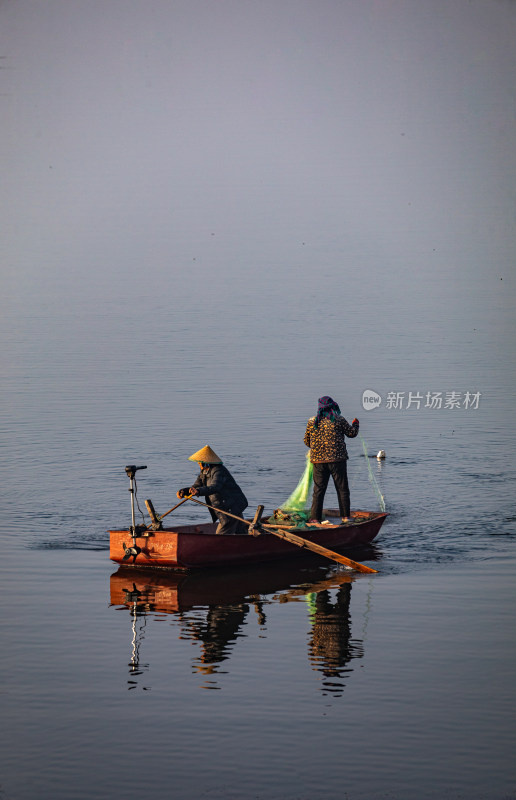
{"x":135,"y":529}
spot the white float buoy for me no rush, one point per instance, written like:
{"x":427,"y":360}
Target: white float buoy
{"x":381,"y":454}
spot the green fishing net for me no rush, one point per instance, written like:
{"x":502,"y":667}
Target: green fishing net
{"x":295,"y":510}
{"x":298,"y":500}
{"x":372,"y":479}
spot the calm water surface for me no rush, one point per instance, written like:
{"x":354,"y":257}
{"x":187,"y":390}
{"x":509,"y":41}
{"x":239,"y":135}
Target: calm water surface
{"x":276,"y":682}
{"x":272,"y":683}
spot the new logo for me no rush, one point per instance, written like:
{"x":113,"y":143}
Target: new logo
{"x":370,"y":400}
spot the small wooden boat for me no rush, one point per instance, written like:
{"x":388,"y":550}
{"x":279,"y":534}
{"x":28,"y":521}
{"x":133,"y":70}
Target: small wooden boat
{"x":198,"y":546}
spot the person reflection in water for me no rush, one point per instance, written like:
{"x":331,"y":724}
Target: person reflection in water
{"x":330,"y":647}
{"x":217,"y":634}
{"x":216,"y":484}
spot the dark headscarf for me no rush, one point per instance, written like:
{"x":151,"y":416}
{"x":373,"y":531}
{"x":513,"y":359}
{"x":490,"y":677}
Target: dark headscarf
{"x":326,"y":409}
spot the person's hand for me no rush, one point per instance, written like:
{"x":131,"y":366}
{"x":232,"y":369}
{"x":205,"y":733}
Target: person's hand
{"x":193,"y":491}
{"x":355,"y":421}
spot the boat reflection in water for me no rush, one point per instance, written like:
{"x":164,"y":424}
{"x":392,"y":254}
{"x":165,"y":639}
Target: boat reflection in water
{"x":212,"y":607}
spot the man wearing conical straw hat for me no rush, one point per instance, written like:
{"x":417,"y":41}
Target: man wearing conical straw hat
{"x":220,"y":489}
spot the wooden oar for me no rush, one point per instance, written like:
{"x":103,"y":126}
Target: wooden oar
{"x":297,"y":540}
{"x":316,"y":548}
{"x":162,"y":516}
{"x":156,"y":521}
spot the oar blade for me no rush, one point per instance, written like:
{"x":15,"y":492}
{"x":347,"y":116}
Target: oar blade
{"x":293,"y":538}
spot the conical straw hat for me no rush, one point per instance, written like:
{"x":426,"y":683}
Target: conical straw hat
{"x":206,"y":455}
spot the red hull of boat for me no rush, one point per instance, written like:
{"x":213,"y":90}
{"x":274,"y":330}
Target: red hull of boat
{"x":197,"y":546}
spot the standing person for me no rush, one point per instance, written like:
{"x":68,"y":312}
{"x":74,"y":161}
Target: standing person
{"x":220,"y":489}
{"x":325,"y":436}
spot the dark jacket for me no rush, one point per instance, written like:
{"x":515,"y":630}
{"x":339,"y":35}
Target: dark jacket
{"x":220,"y":489}
{"x":327,"y":442}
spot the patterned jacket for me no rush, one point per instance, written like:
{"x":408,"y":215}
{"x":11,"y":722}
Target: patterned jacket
{"x":327,"y":441}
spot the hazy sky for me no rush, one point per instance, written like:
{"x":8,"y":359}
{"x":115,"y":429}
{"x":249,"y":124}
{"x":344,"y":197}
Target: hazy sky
{"x":133,"y":128}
